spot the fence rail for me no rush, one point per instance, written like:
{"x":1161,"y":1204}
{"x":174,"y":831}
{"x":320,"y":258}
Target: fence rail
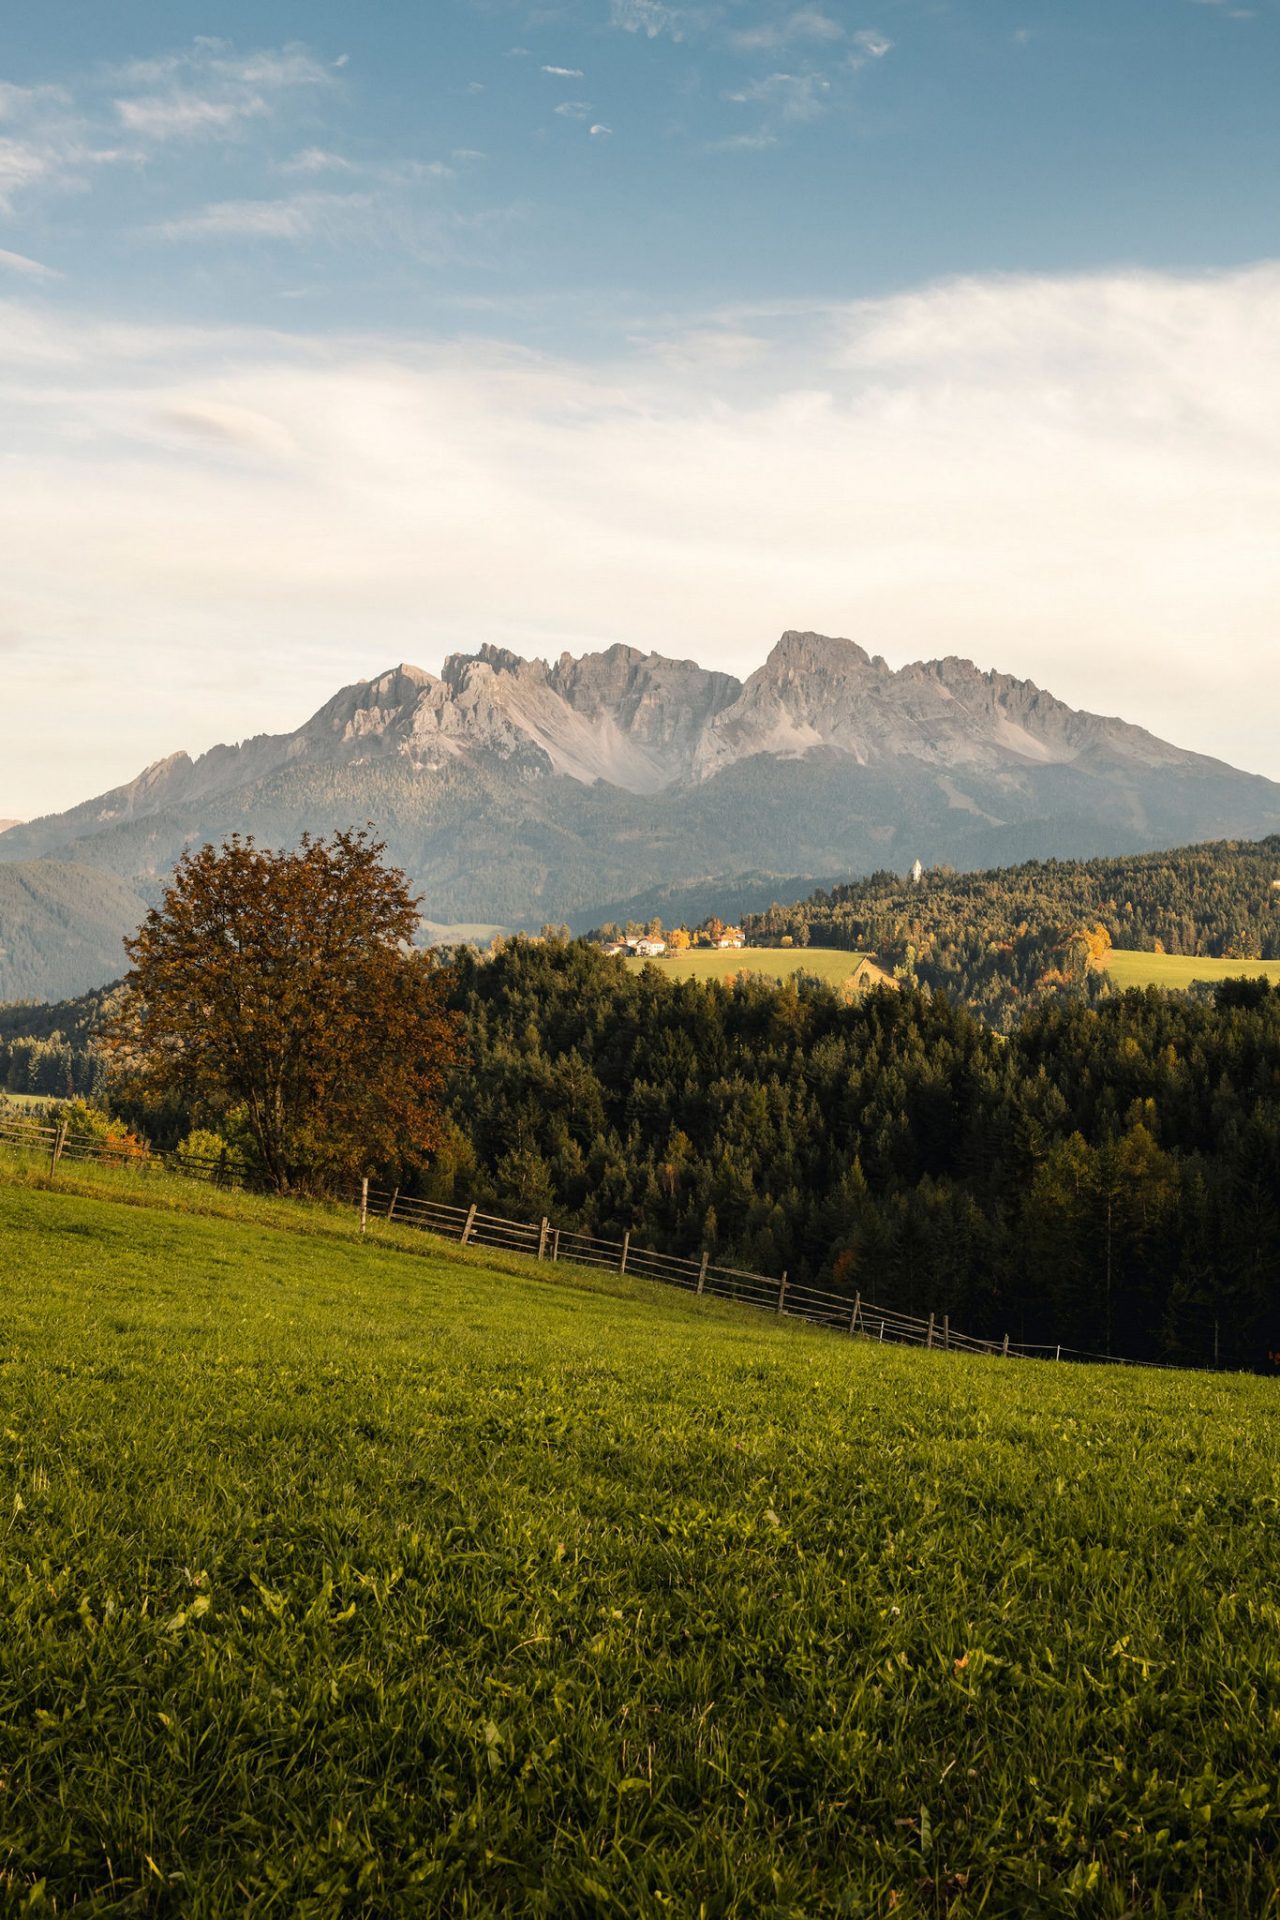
{"x":56,"y":1142}
{"x":563,"y":1246}
{"x":854,"y":1316}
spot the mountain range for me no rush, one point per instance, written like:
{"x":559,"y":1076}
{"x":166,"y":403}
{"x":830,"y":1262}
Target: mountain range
{"x":514,"y":791}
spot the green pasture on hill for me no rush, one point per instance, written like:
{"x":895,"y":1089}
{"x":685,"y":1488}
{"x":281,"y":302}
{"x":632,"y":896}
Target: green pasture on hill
{"x":339,"y":1581}
{"x":832,"y":964}
{"x":1129,"y":968}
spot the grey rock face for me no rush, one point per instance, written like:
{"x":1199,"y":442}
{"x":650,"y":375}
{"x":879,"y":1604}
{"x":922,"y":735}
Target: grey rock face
{"x":642,"y":723}
{"x":516,"y":791}
{"x":815,"y":692}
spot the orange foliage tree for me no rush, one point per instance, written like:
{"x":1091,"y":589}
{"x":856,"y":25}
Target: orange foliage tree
{"x":285,"y":986}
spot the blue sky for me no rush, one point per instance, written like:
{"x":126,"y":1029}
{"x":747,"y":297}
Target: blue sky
{"x":330,"y":336}
{"x":412,"y":161}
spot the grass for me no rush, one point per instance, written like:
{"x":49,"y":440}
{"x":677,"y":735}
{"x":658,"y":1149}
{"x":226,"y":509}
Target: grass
{"x":339,"y":1582}
{"x":1129,"y":968}
{"x":831,"y":964}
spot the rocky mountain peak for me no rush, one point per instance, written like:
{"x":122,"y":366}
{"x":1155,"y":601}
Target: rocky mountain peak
{"x":798,"y":653}
{"x":644,"y":723}
{"x":459,"y":667}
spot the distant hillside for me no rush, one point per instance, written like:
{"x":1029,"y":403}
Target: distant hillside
{"x":516,"y":792}
{"x":62,"y":925}
{"x":6,"y":824}
{"x":999,"y":937}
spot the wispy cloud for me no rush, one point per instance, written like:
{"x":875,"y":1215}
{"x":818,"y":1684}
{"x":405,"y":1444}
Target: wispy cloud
{"x":53,"y":138}
{"x":317,"y":160}
{"x":300,"y":216}
{"x":869,"y":44}
{"x":899,"y":470}
{"x":565,"y":73}
{"x":600,"y":132}
{"x":180,"y":115}
{"x":48,"y":143}
{"x":574,"y":109}
{"x":650,"y":17}
{"x":208,"y":90}
{"x":19,"y":102}
{"x":28,"y":269}
{"x":743,"y":143}
{"x":787,"y":96}
{"x":22,"y":164}
{"x":806,"y":23}
{"x":272,"y":68}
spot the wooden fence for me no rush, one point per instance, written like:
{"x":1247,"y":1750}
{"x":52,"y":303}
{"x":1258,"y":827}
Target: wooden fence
{"x":54,"y":1143}
{"x":543,"y":1241}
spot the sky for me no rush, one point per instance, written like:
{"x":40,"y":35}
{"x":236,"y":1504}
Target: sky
{"x":334,"y":337}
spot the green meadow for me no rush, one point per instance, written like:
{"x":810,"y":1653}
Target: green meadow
{"x":1129,"y":968}
{"x":341,"y":1579}
{"x":832,"y":964}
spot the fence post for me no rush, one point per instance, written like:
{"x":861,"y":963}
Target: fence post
{"x":391,"y":1210}
{"x":1058,"y":1354}
{"x":946,"y":1330}
{"x":542,"y":1236}
{"x":929,"y":1336}
{"x":59,"y":1142}
{"x":1005,"y":1349}
{"x":782,"y":1291}
{"x":626,"y":1248}
{"x":882,"y":1333}
{"x":857,"y":1309}
{"x":555,"y":1246}
{"x":702,"y":1271}
{"x":470,"y":1223}
{"x":364,"y":1203}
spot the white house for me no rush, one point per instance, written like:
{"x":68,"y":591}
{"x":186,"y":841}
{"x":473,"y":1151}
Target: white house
{"x":649,"y":949}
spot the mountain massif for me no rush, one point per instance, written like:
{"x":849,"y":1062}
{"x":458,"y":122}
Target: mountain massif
{"x":514,"y":791}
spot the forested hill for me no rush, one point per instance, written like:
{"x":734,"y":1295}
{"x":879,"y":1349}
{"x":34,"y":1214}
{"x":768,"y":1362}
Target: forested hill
{"x":52,"y":1049}
{"x":995,"y":938}
{"x":1109,"y":1176}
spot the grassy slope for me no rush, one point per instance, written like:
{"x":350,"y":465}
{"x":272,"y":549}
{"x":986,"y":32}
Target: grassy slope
{"x":1132,"y":969}
{"x":338,"y":1582}
{"x":831,"y":964}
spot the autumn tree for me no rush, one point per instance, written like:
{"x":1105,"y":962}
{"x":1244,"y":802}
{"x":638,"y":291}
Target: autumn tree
{"x":286,"y":986}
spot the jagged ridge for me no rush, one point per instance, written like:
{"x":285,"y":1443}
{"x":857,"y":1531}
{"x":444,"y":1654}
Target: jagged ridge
{"x":514,"y":791}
